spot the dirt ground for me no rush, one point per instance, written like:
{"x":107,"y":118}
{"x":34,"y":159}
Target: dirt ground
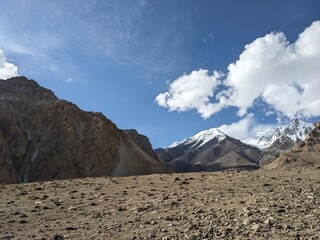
{"x":222,"y":205}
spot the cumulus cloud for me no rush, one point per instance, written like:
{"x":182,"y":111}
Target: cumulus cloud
{"x":244,"y":128}
{"x":284,"y":75}
{"x":7,"y":70}
{"x":192,"y":91}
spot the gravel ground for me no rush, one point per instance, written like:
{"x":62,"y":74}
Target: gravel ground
{"x":222,"y":205}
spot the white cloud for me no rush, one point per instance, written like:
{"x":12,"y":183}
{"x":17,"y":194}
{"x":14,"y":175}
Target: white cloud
{"x":192,"y":91}
{"x":244,"y":128}
{"x":7,"y":70}
{"x":286,"y":76}
{"x":283,"y":75}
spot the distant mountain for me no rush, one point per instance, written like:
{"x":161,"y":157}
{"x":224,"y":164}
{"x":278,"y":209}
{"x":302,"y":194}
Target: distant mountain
{"x":284,"y":136}
{"x":44,"y":138}
{"x":210,"y":150}
{"x":274,"y":141}
{"x":306,"y":154}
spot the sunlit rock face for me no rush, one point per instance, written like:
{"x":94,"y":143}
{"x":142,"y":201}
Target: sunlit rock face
{"x":45,"y":138}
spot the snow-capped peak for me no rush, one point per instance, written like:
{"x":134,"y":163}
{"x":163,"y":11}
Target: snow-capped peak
{"x":296,"y":130}
{"x":202,"y":138}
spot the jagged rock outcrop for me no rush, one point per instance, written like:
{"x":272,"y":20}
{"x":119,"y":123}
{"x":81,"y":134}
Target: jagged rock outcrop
{"x":210,"y":150}
{"x":305,"y":154}
{"x":142,"y":141}
{"x":44,"y":138}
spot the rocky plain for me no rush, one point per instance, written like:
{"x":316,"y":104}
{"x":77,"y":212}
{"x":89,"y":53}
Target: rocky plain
{"x":260,"y":204}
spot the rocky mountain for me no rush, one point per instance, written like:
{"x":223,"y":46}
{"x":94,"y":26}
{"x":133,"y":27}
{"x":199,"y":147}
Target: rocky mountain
{"x":283,"y":137}
{"x":210,"y":150}
{"x":44,"y":138}
{"x":142,"y":141}
{"x":274,"y":141}
{"x":307,"y":153}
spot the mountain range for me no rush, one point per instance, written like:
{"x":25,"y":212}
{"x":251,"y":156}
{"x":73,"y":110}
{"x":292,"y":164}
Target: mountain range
{"x":305,"y":154}
{"x":45,"y":138}
{"x":273,"y":142}
{"x":284,"y":136}
{"x":213,"y":150}
{"x":210,"y":150}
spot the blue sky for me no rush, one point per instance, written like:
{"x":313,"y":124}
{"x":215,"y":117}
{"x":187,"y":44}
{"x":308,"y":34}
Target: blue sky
{"x":150,"y":65}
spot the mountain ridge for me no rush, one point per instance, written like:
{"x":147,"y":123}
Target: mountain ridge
{"x":210,"y":150}
{"x":266,"y":146}
{"x":201,"y":137}
{"x":45,"y":138}
{"x":305,"y":154}
{"x":294,"y":132}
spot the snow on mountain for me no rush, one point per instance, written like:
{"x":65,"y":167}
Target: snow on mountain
{"x":296,"y":130}
{"x":202,"y":138}
{"x":210,"y":150}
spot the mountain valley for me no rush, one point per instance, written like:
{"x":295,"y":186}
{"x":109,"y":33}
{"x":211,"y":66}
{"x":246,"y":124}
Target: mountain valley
{"x":76,"y":175}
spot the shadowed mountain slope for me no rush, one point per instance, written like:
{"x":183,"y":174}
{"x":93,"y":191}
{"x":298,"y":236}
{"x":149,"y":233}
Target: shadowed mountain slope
{"x":44,"y":138}
{"x":210,"y":150}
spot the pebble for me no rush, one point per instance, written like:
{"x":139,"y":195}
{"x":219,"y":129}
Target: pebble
{"x":256,"y":227}
{"x":247,"y":221}
{"x":170,"y":212}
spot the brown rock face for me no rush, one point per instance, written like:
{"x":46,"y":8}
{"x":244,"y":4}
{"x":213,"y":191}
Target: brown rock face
{"x":142,"y":141}
{"x":306,"y":154}
{"x":44,"y":138}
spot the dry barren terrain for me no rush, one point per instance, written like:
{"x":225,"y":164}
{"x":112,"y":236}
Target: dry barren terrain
{"x":222,"y":205}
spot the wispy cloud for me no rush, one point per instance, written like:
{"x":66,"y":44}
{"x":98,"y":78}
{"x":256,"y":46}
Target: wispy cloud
{"x":245,"y":127}
{"x":51,"y":33}
{"x":210,"y":37}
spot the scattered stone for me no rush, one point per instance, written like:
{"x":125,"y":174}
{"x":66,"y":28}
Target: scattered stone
{"x":170,"y":212}
{"x":71,"y":228}
{"x":72,"y":208}
{"x":280,"y":210}
{"x":256,"y":227}
{"x":247,"y":221}
{"x":21,"y":193}
{"x":138,"y":209}
{"x":121,"y":209}
{"x":169,"y":218}
{"x":58,"y":237}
